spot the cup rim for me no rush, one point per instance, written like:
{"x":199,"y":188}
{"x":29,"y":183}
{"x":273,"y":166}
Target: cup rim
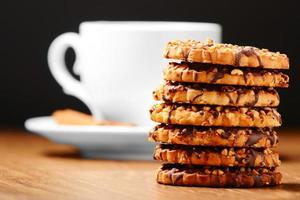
{"x":150,"y":26}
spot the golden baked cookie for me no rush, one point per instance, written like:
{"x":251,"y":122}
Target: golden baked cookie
{"x":217,"y":177}
{"x":209,"y":156}
{"x":214,"y":74}
{"x":194,"y":93}
{"x":225,"y":54}
{"x":73,"y":117}
{"x":215,"y":116}
{"x":214,"y":136}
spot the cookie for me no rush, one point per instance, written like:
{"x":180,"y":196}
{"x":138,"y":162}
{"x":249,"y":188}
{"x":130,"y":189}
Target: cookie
{"x":214,"y":136}
{"x":225,"y":54}
{"x":215,"y":116}
{"x":216,"y":95}
{"x":229,"y":157}
{"x":73,"y":117}
{"x":216,"y":74}
{"x":217,"y":177}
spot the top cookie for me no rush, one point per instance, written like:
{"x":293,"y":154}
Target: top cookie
{"x":225,"y":54}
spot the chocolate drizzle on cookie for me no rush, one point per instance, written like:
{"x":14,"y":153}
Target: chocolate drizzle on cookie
{"x":176,"y":179}
{"x":186,"y":131}
{"x":258,"y":180}
{"x":220,"y":74}
{"x":247,"y":51}
{"x":169,"y":116}
{"x":253,"y":138}
{"x":226,"y":134}
{"x":196,"y":97}
{"x":256,"y":98}
{"x":195,"y":77}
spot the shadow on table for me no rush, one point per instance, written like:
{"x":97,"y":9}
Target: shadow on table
{"x":289,"y":157}
{"x":73,"y":153}
{"x":67,"y":154}
{"x":291,"y":187}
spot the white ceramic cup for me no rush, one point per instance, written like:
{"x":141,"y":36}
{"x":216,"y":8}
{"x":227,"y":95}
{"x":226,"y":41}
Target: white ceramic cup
{"x":120,"y":64}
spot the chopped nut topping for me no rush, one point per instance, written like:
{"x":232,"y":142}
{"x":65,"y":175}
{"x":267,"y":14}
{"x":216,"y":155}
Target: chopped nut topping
{"x":224,"y":152}
{"x":231,"y":152}
{"x":217,"y":172}
{"x":220,"y":131}
{"x":194,"y":108}
{"x":219,"y":108}
{"x":265,"y":170}
{"x":236,"y":72}
{"x":241,"y":151}
{"x":220,"y":172}
{"x":210,"y":41}
{"x":267,"y":151}
{"x":244,"y":110}
{"x":206,"y":108}
{"x":255,"y":172}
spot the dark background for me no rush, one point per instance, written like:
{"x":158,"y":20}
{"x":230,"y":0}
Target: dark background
{"x":28,"y":27}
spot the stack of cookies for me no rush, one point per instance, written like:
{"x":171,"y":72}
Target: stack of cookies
{"x":218,"y":114}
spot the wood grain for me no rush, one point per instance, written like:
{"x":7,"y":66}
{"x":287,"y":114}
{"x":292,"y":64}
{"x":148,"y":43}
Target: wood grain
{"x":34,"y":168}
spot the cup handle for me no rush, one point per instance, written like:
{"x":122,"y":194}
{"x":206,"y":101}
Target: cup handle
{"x":58,"y":68}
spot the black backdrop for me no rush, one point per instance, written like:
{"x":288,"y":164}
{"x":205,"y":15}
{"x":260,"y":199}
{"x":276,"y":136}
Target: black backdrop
{"x":28,"y":27}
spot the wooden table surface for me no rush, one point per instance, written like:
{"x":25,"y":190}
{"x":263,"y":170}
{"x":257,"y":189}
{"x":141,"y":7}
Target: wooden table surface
{"x":32,"y":167}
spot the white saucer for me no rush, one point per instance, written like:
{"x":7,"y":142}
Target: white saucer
{"x":109,"y":142}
